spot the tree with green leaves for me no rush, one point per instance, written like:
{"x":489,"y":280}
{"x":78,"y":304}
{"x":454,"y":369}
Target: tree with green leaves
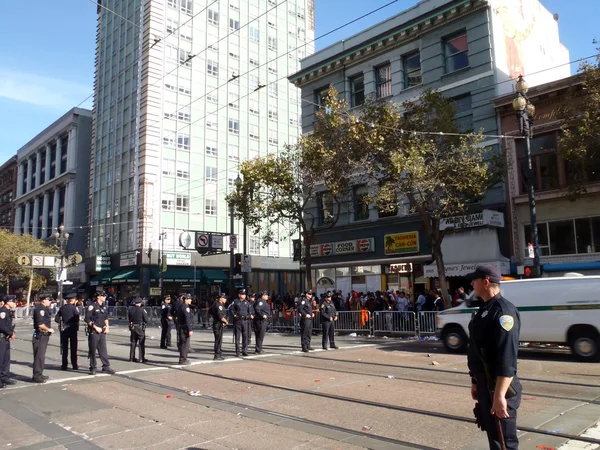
{"x":580,"y":140}
{"x":416,"y":151}
{"x":277,"y":190}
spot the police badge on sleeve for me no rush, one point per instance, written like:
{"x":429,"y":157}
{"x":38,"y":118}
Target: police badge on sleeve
{"x":507,"y":322}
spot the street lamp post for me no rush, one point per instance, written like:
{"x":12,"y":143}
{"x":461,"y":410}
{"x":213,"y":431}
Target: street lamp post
{"x":525,"y":114}
{"x":161,"y":263}
{"x":238,"y":183}
{"x":231,"y":250}
{"x":61,"y":238}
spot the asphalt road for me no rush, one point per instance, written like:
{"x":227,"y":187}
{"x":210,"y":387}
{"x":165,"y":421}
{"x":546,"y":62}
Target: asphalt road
{"x":372,"y":393}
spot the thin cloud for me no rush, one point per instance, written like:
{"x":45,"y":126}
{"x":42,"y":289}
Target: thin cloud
{"x":41,"y":91}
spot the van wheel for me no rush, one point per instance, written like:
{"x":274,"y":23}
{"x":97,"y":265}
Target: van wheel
{"x":585,"y":345}
{"x":455,"y":339}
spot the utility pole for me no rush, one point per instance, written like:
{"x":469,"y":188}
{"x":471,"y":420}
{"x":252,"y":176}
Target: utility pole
{"x":61,"y":238}
{"x":161,"y":263}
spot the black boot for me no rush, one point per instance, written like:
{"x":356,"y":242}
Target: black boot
{"x":132,"y":353}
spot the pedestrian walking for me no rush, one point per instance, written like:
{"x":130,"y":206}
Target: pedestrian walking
{"x":242,"y":314}
{"x":41,"y":335}
{"x":492,"y":359}
{"x":329,"y":316}
{"x":7,"y":334}
{"x":184,"y":328}
{"x":96,"y":318}
{"x":166,"y":323}
{"x":262,"y":312}
{"x":67,"y":318}
{"x":305,"y":311}
{"x":219,"y":316}
{"x":137,"y":317}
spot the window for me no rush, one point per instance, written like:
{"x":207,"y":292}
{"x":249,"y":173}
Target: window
{"x":273,"y":91}
{"x":254,"y":60}
{"x":184,"y":58}
{"x":168,"y":167}
{"x":183,"y":142}
{"x":233,"y":152}
{"x":294,"y":119}
{"x":254,"y":245}
{"x":172,"y":25}
{"x":231,"y":179}
{"x":567,"y":237}
{"x":212,"y":68}
{"x":183,"y":203}
{"x":212,"y":96}
{"x":183,"y":170}
{"x":361,"y":202}
{"x":211,"y":148}
{"x":463,"y":116}
{"x":213,"y":17}
{"x":169,"y":110}
{"x":185,"y":33}
{"x":301,"y":33}
{"x":321,"y":97}
{"x":184,"y":113}
{"x":253,"y":106}
{"x":456,"y":51}
{"x":273,"y":137}
{"x":168,"y":202}
{"x":274,"y":249}
{"x":254,"y":34}
{"x":234,"y":126}
{"x":234,"y":25}
{"x":544,"y":160}
{"x":273,"y":113}
{"x":254,"y":134}
{"x":235,"y":4}
{"x":383,"y":80}
{"x":234,"y":51}
{"x":211,"y":121}
{"x":211,"y":174}
{"x":325,"y":205}
{"x":187,"y":6}
{"x":357,"y":90}
{"x":253,"y":82}
{"x":387,"y":206}
{"x":210,"y":207}
{"x":273,"y":70}
{"x":412,"y":70}
{"x":234,"y":100}
{"x":272,"y":43}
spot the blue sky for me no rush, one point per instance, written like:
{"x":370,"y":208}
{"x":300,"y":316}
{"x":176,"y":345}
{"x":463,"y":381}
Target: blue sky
{"x":48,"y":48}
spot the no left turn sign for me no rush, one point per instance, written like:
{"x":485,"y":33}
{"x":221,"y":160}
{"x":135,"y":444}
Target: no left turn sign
{"x":202,"y":240}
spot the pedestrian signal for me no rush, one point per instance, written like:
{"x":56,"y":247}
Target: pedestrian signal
{"x":237,"y":268}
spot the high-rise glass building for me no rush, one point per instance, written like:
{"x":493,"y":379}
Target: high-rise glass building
{"x":184,"y":91}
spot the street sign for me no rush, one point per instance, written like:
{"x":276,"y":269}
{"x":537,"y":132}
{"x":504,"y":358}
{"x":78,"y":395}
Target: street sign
{"x":217,"y":241}
{"x":50,"y":261}
{"x":202,"y":240}
{"x":37,"y":260}
{"x":61,"y":274}
{"x":233,"y":241}
{"x":246,"y":265}
{"x":23,"y":260}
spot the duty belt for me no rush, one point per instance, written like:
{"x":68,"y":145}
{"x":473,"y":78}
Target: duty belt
{"x":244,"y":317}
{"x":137,"y":324}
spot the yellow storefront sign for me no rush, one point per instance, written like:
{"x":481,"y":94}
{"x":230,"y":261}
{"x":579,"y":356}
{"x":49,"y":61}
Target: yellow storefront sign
{"x":401,"y":243}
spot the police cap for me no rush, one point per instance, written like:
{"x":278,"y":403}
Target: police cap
{"x":46,"y":296}
{"x":99,"y":294}
{"x":309,"y":292}
{"x":137,"y":300}
{"x":8,"y":298}
{"x":485,"y":271}
{"x":252,"y":294}
{"x":222,"y":295}
{"x":71,"y":296}
{"x":328,"y":294}
{"x":242,"y":291}
{"x":264,"y":293}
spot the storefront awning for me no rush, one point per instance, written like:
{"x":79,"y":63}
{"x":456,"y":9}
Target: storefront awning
{"x":180,"y":274}
{"x":464,"y":250}
{"x":127,"y":276}
{"x":571,"y":267}
{"x":104,"y":277}
{"x":213,"y":276}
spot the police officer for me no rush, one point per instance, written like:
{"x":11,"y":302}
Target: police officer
{"x":67,"y":318}
{"x":7,"y":334}
{"x":166,"y":322}
{"x":177,"y":304}
{"x":492,"y":359}
{"x":137,"y":319}
{"x":251,"y":300}
{"x":329,"y":316}
{"x":262,"y":312}
{"x":96,"y":318}
{"x":41,"y":335}
{"x":242,"y":314}
{"x":184,"y":328}
{"x":219,"y":316}
{"x":305,"y":311}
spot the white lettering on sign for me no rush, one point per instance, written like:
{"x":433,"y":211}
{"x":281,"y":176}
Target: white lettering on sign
{"x":486,"y":217}
{"x":343,"y":247}
{"x":127,"y":259}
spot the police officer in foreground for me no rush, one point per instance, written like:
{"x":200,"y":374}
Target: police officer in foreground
{"x":184,"y":328}
{"x":166,"y":321}
{"x":96,"y":318}
{"x":242,"y":314}
{"x":219,"y":316}
{"x":7,"y":334}
{"x":262,"y":312}
{"x":137,"y":318}
{"x":177,"y":304}
{"x":251,"y":299}
{"x":305,"y":311}
{"x":492,"y":359}
{"x":67,"y":318}
{"x":329,"y":316}
{"x":41,"y":335}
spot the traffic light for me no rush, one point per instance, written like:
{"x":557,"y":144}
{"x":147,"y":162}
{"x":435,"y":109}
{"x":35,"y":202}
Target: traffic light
{"x":297,"y":244}
{"x":530,"y":272}
{"x":237,"y":268}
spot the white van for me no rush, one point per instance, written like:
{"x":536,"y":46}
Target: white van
{"x":553,"y":310}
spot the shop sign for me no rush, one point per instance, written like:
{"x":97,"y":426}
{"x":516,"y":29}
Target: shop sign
{"x":128,"y":259}
{"x":155,"y":291}
{"x":459,"y":270}
{"x":485,"y":218}
{"x":102,"y":263}
{"x":178,"y":259}
{"x":365,"y":245}
{"x":400,"y":268}
{"x":401,"y":243}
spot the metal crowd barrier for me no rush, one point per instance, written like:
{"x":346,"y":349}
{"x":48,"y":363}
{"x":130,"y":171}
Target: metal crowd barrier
{"x":353,"y":321}
{"x":427,"y":323}
{"x":279,"y":323}
{"x":394,"y":322}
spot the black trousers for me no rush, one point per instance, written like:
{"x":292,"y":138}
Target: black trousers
{"x":165,"y":335}
{"x":4,"y":359}
{"x":137,"y":336}
{"x":305,"y":332}
{"x":489,"y":422}
{"x":183,"y":342}
{"x":260,"y":329}
{"x":97,"y":342}
{"x":241,"y":327}
{"x":218,"y":332}
{"x":68,"y":338}
{"x":40,"y":343}
{"x":328,"y":333}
